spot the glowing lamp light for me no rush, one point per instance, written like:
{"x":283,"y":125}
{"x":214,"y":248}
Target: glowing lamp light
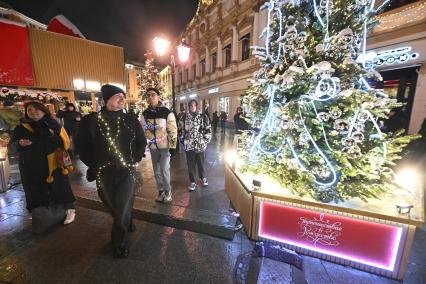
{"x":408,"y":179}
{"x":161,"y":45}
{"x":78,"y":84}
{"x":182,"y":98}
{"x":230,"y":157}
{"x":93,"y":86}
{"x":183,"y":52}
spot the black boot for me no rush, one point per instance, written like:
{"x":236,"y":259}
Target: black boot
{"x":132,"y":227}
{"x":122,"y":251}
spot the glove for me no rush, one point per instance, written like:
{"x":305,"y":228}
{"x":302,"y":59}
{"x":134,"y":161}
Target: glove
{"x":172,"y":152}
{"x":90,"y":175}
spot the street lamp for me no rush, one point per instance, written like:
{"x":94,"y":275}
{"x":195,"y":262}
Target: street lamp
{"x":161,"y":45}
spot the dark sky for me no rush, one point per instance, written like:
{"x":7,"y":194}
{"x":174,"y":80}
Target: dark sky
{"x":131,"y":24}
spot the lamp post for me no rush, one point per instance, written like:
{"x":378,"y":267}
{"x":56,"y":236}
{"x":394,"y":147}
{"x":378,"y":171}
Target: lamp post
{"x":161,"y":45}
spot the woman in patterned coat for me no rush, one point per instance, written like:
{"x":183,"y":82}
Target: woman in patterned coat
{"x":196,"y":133}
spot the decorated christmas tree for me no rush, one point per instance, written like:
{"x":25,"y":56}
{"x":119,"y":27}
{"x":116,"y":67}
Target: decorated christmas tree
{"x":317,"y":121}
{"x":150,"y":77}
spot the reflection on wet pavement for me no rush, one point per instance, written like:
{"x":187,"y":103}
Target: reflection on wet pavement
{"x":81,"y":252}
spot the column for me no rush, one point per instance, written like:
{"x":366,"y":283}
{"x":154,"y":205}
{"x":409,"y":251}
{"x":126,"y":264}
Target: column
{"x":208,"y":69}
{"x":197,"y":68}
{"x":234,"y":57}
{"x":219,"y":59}
{"x":255,"y":28}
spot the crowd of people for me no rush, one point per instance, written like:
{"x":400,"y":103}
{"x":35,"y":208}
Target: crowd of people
{"x":111,"y":143}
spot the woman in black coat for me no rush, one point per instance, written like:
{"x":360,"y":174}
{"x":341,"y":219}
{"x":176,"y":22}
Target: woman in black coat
{"x":37,"y":138}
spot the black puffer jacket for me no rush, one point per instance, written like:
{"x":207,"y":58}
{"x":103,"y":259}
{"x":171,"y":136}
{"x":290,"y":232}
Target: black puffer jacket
{"x":93,"y":146}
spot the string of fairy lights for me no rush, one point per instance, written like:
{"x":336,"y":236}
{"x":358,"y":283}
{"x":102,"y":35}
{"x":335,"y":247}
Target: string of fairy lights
{"x":410,"y":14}
{"x":269,"y":123}
{"x":112,"y":142}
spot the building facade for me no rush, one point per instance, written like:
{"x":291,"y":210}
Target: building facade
{"x":220,"y":36}
{"x":222,"y":32}
{"x":398,"y":49}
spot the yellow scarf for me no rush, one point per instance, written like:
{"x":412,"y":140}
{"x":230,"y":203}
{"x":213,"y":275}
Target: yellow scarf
{"x":52,"y":157}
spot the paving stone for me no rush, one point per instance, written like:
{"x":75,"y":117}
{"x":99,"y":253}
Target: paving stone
{"x":10,"y":269}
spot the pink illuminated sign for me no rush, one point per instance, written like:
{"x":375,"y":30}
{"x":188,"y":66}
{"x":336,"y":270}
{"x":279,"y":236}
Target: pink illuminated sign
{"x":356,"y":240}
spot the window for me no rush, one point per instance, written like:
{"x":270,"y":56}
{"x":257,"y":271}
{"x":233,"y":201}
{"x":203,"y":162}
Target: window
{"x":203,"y":67}
{"x":227,"y":51}
{"x":224,"y":105}
{"x":245,"y":47}
{"x":194,"y":71}
{"x":214,"y":62}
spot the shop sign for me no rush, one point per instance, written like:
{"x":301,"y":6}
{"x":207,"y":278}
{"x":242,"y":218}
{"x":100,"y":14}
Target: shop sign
{"x":360,"y":241}
{"x":213,"y":91}
{"x":394,"y":56}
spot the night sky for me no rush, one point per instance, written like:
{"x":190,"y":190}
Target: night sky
{"x":131,"y":24}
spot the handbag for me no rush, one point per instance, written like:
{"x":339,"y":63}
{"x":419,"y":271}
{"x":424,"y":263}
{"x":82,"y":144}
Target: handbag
{"x":63,"y":159}
{"x":46,"y":217}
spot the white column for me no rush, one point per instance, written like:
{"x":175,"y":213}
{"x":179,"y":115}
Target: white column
{"x":234,"y":44}
{"x":418,"y":112}
{"x":255,"y":28}
{"x":208,"y":69}
{"x":219,"y":53}
{"x":197,"y":68}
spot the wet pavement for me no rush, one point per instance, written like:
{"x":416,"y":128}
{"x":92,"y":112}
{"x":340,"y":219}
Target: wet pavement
{"x":81,"y":252}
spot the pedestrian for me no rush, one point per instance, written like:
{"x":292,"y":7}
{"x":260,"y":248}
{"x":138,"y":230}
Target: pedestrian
{"x":239,"y":122}
{"x":71,"y":119}
{"x":38,"y":137}
{"x":111,"y":143}
{"x":223,"y":117}
{"x":160,"y":128}
{"x":196,"y":133}
{"x":215,"y":121}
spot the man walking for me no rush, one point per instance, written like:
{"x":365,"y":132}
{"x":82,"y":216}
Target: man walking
{"x":215,"y":121}
{"x":111,"y":143}
{"x":160,"y":128}
{"x":196,"y":133}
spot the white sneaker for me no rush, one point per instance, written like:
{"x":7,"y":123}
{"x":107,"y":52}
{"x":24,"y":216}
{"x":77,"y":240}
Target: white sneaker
{"x":160,"y":197}
{"x":192,"y":187}
{"x":205,"y":182}
{"x":168,"y":197}
{"x":70,"y":216}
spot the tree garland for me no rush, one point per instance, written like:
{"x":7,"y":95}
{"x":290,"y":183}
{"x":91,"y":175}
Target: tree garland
{"x":19,"y":95}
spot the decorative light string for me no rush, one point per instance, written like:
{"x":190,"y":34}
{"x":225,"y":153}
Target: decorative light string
{"x":327,"y":89}
{"x":105,"y":130}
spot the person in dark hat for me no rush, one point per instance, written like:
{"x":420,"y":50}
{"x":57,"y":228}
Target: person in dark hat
{"x":71,"y":119}
{"x":111,"y":143}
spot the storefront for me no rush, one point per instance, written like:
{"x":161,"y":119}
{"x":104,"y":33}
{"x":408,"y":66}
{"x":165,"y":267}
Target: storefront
{"x":397,"y":48}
